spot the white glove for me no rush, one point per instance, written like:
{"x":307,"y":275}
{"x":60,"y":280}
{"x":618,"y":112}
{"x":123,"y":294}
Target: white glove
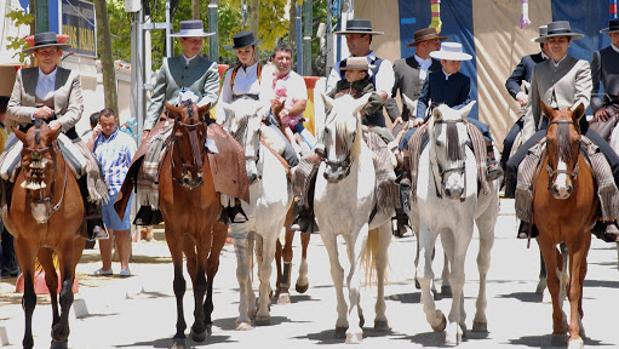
{"x":522,"y":98}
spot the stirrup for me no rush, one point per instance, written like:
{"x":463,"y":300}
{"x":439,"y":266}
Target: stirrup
{"x":494,"y":171}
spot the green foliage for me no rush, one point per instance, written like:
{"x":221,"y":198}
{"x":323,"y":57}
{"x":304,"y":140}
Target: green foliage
{"x":19,"y":18}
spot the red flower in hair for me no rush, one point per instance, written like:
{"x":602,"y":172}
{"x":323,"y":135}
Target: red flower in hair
{"x":29,"y":40}
{"x":62,"y":39}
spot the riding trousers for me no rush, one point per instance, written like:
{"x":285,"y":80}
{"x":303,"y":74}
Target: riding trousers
{"x":289,"y":154}
{"x":485,"y":130}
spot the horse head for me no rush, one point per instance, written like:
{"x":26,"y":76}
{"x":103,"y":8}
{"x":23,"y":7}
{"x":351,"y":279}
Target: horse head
{"x":341,"y":135}
{"x":562,"y":149}
{"x":243,"y":123}
{"x":39,"y":163}
{"x":448,"y":141}
{"x":189,"y":137}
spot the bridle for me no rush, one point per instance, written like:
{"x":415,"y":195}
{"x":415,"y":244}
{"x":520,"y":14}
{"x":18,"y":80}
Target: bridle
{"x":438,"y":172}
{"x":197,"y":148}
{"x":553,"y":173}
{"x":347,"y":162}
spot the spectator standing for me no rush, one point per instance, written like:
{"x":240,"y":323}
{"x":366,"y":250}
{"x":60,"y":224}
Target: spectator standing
{"x":8,"y":263}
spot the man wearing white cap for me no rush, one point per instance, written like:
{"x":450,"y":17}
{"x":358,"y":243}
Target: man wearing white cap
{"x":359,"y":34}
{"x":451,"y":87}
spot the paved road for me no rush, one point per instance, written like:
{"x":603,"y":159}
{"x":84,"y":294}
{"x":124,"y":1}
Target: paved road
{"x":139,"y":312}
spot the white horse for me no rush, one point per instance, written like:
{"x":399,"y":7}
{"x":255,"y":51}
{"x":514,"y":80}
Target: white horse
{"x":344,"y":201}
{"x":449,"y":205}
{"x":270,"y":197}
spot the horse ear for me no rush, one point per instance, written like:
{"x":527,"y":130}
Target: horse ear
{"x":578,"y":112}
{"x":464,"y":112}
{"x":172,"y":108}
{"x":327,"y":100}
{"x":547,"y":110}
{"x":204,"y":109}
{"x":410,"y":104}
{"x":362,"y":101}
{"x":437,"y":114}
{"x":19,"y":134}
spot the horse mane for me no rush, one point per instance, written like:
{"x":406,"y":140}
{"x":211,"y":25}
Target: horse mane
{"x":341,"y":127}
{"x":453,"y":142}
{"x":563,"y":142}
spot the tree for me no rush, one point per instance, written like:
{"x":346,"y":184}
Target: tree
{"x":195,"y":9}
{"x":104,"y":44}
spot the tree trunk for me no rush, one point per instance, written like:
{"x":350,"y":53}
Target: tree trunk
{"x":253,"y":9}
{"x":104,"y":44}
{"x":195,"y":9}
{"x":292,"y":30}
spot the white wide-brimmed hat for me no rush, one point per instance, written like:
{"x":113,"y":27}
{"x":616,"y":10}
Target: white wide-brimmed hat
{"x":451,"y":51}
{"x":193,"y":28}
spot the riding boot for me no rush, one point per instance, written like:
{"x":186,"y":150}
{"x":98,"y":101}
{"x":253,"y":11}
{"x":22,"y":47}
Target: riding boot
{"x":606,"y":231}
{"x":92,"y":227}
{"x":6,"y":188}
{"x":304,"y":209}
{"x":494,"y":170}
{"x":147,"y":216}
{"x":403,"y":210}
{"x":235,"y":213}
{"x":524,"y":228}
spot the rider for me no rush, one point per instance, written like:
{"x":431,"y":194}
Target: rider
{"x":523,"y":72}
{"x":561,"y":82}
{"x":451,"y":87}
{"x":605,"y":71}
{"x":53,"y":94}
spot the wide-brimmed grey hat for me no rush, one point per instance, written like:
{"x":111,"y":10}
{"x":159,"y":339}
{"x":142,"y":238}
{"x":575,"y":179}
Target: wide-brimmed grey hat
{"x":359,"y":26}
{"x":193,"y":28}
{"x":560,"y":28}
{"x":451,"y":51}
{"x":356,"y":63}
{"x":542,"y":30}
{"x":46,"y":39}
{"x":613,"y":26}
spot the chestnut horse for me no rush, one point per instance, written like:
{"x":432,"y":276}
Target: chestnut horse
{"x":190,"y":207}
{"x":45,"y":215}
{"x":564,"y":209}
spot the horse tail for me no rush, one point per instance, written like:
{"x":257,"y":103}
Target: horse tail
{"x":369,"y":255}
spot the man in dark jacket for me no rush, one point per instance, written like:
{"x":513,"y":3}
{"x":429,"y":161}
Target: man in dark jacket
{"x":605,"y":72}
{"x":523,"y":72}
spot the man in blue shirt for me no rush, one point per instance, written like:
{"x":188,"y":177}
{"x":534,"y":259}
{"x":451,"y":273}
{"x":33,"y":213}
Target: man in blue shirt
{"x":114,"y":151}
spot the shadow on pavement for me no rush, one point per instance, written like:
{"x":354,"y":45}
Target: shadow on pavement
{"x":527,"y":297}
{"x":167,"y":343}
{"x":328,"y":336}
{"x":601,"y":283}
{"x":229,"y":324}
{"x":545,"y":342}
{"x":406,"y":298}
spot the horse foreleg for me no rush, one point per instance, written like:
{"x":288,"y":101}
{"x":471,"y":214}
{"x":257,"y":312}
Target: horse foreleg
{"x":302,"y":281}
{"x":552,"y":258}
{"x":541,"y":285}
{"x":425,"y":277}
{"x":337,"y":274}
{"x":243,"y":248}
{"x":381,"y":258}
{"x":220,"y":232}
{"x":61,"y":330}
{"x":198,"y":260}
{"x":51,"y":280}
{"x":445,"y":285}
{"x":176,"y":251}
{"x":485,"y":226}
{"x":456,"y":247}
{"x":25,"y":255}
{"x":355,"y":246}
{"x":263,"y":316}
{"x":578,"y":267}
{"x":284,"y":275}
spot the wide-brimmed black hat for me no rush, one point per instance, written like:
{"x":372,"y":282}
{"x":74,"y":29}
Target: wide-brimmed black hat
{"x":425,"y":34}
{"x":359,"y":26}
{"x":560,"y":28}
{"x":243,"y":39}
{"x":46,"y":39}
{"x":613,"y":26}
{"x":193,"y":28}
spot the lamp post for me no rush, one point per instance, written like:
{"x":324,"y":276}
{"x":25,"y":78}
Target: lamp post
{"x":41,"y":16}
{"x":213,"y":41}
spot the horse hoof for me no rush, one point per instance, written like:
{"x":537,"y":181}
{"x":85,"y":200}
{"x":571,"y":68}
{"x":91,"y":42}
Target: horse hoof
{"x":446,"y":291}
{"x":479,"y":326}
{"x":577,"y":343}
{"x":453,"y":335}
{"x":179,"y":344}
{"x":440,"y":327}
{"x":244,"y":326}
{"x":558,"y":340}
{"x":301,"y":288}
{"x":381,"y":326}
{"x":340,"y":332}
{"x":262,"y":320}
{"x":284,"y":298}
{"x":198,"y":336}
{"x":354,"y":338}
{"x":59,"y":345}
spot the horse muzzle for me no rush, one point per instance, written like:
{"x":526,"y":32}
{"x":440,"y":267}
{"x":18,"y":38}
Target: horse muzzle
{"x":561,"y":192}
{"x":190,"y":181}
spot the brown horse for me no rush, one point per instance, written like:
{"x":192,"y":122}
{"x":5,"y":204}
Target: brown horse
{"x":45,"y":216}
{"x":565,"y":205}
{"x":283,"y":263}
{"x":190,"y":207}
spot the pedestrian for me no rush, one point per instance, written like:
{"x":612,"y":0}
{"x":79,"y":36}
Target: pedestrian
{"x":114,"y":151}
{"x":94,"y":121}
{"x":8,"y":262}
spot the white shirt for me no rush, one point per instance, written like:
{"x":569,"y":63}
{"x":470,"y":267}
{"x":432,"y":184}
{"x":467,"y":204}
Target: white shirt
{"x":385,"y":77}
{"x":245,"y":82}
{"x":46,"y":85}
{"x":189,"y":59}
{"x":614,"y":47}
{"x":447,"y":75}
{"x":424,"y":66}
{"x":290,"y":89}
{"x":556,"y":64}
